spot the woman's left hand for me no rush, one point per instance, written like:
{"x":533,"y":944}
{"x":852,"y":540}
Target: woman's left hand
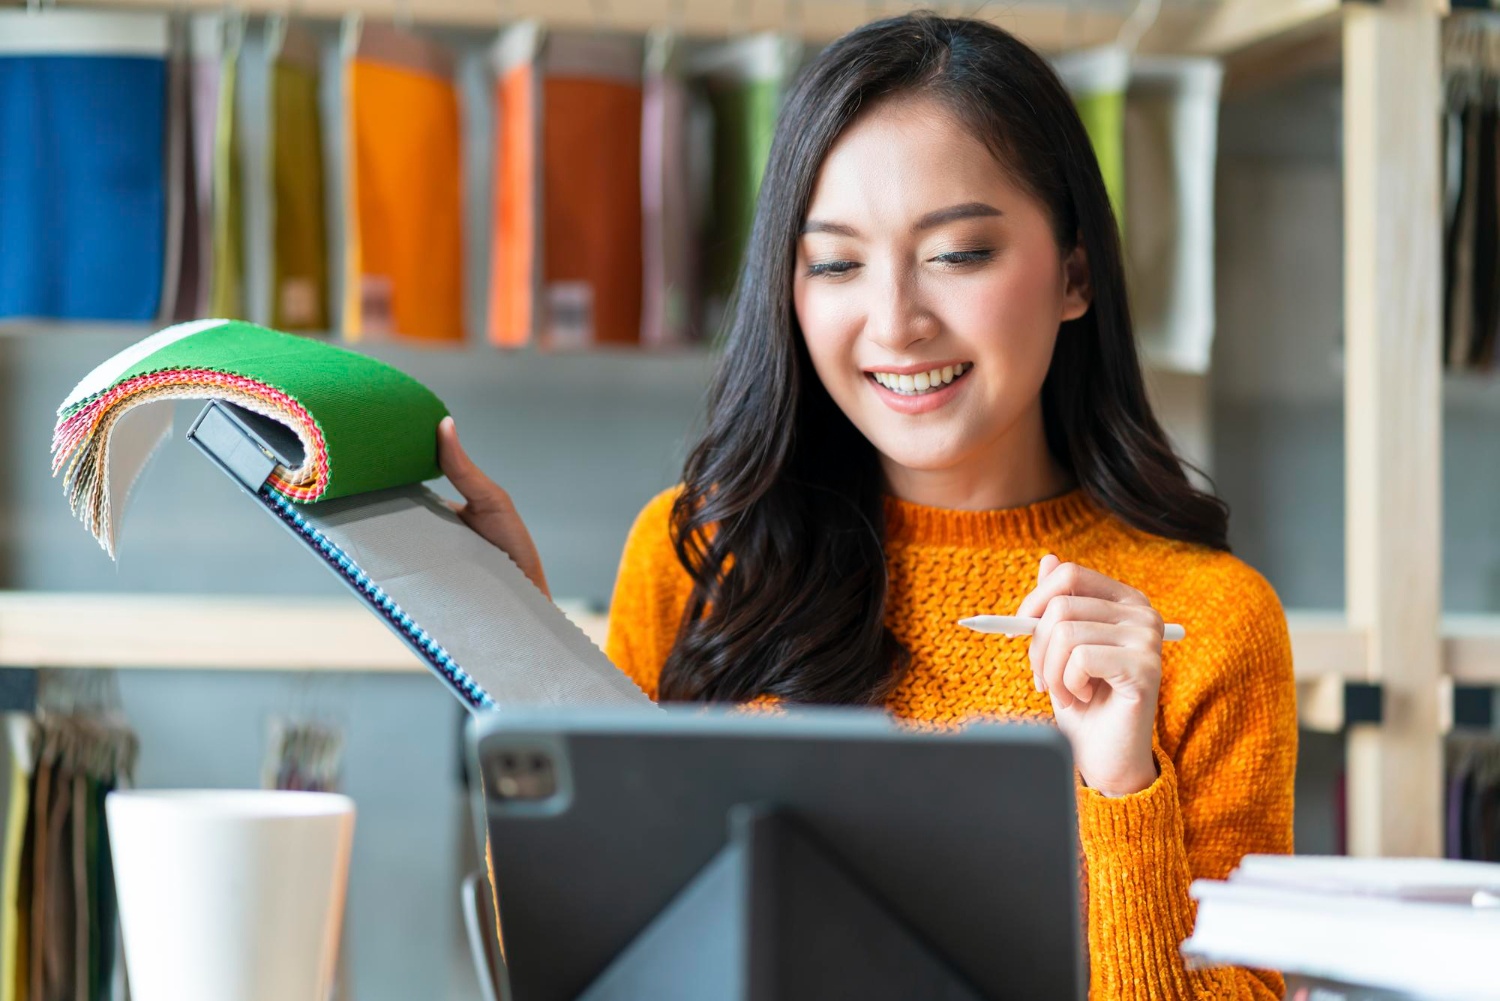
{"x":1097,"y":653}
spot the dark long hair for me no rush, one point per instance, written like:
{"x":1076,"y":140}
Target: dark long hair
{"x":780,"y":522}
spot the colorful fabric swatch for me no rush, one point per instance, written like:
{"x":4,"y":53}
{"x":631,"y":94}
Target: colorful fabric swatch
{"x":362,"y":424}
{"x":1098,"y":79}
{"x":215,"y":41}
{"x":1171,"y":149}
{"x":515,"y":282}
{"x":745,"y":81}
{"x":404,"y":231}
{"x":83,"y":210}
{"x":671,"y":202}
{"x":299,"y":241}
{"x":61,"y":928}
{"x":577,"y":212}
{"x":18,"y":759}
{"x":476,"y":90}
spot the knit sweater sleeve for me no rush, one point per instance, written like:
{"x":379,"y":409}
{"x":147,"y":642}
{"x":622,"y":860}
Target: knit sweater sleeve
{"x":651,"y":589}
{"x":1226,"y":750}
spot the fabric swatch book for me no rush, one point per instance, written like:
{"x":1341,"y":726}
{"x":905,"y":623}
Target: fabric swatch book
{"x":335,"y":446}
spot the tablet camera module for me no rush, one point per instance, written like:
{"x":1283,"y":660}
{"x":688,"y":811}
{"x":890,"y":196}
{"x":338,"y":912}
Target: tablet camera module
{"x":523,"y":775}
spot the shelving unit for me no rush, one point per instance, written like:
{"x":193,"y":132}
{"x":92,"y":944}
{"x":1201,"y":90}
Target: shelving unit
{"x":1393,"y":634}
{"x":190,"y":632}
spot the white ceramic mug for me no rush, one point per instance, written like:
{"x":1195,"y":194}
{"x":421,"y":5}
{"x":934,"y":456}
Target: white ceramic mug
{"x":230,"y":895}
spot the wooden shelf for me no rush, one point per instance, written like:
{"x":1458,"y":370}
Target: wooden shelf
{"x":1471,"y":649}
{"x":174,"y":631}
{"x":191,"y":632}
{"x":1323,"y":646}
{"x":1212,"y":27}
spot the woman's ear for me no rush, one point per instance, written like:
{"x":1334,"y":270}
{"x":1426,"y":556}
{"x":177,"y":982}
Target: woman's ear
{"x":1078,"y":287}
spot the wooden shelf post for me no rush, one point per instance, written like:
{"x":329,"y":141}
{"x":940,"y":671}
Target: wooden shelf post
{"x":1393,"y":416}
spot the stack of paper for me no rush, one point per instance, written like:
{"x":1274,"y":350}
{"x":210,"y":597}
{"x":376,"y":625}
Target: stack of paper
{"x":1426,"y":927}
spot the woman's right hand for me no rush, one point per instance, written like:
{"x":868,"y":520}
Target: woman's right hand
{"x":487,"y":509}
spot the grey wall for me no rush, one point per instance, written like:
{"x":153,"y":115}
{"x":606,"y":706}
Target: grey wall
{"x":1278,"y":375}
{"x":1278,"y":390}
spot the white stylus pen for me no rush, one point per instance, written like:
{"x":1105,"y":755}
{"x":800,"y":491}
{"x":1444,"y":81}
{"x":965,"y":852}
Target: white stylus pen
{"x":1021,"y":625}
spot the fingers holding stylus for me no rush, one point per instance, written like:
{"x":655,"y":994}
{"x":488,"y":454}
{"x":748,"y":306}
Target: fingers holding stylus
{"x":1091,"y":629}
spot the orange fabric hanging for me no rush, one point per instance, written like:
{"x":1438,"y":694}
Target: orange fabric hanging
{"x":592,"y":205}
{"x":405,"y":260}
{"x":567,"y":262}
{"x":513,"y":282}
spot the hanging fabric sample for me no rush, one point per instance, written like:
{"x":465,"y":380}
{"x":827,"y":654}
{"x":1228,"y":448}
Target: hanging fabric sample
{"x":1471,"y":191}
{"x":745,"y":80}
{"x":569,"y":227}
{"x":671,"y":197}
{"x":215,"y":41}
{"x":61,"y":933}
{"x":180,"y":279}
{"x":1472,"y":820}
{"x":298,"y":243}
{"x":17,"y":766}
{"x":476,"y":88}
{"x":1171,"y":152}
{"x":403,"y":240}
{"x":83,"y":195}
{"x":515,"y":260}
{"x":252,"y":126}
{"x":1098,"y":79}
{"x":303,"y":755}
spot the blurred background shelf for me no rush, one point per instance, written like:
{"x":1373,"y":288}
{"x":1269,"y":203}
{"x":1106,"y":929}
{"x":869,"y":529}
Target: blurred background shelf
{"x":1199,"y":27}
{"x":190,"y":632}
{"x":177,"y":631}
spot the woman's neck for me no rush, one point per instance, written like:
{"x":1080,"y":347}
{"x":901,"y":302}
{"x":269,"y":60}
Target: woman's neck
{"x":1011,"y":473}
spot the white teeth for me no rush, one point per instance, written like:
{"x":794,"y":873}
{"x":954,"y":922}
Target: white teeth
{"x":921,"y":382}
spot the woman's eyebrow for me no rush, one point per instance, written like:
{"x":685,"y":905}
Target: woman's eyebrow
{"x":836,"y":228}
{"x":968,"y":210}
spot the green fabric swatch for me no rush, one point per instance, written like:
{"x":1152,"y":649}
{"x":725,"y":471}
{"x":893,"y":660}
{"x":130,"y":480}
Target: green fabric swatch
{"x":299,"y":291}
{"x":226,"y":286}
{"x":744,"y":121}
{"x":380,"y":424}
{"x":1103,"y":114}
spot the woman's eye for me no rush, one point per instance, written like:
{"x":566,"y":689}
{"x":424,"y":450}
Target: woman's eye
{"x":832,"y":269}
{"x":962,"y":257}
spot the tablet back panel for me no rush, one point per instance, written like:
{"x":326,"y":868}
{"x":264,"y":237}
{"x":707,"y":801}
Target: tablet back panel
{"x":597,"y":822}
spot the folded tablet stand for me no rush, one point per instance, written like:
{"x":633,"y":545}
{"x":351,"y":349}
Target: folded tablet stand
{"x":775,"y":916}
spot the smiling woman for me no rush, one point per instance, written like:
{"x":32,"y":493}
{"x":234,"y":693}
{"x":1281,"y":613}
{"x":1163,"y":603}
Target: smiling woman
{"x":929,"y":400}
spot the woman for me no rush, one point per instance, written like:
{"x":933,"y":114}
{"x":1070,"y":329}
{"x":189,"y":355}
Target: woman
{"x":929,"y":406}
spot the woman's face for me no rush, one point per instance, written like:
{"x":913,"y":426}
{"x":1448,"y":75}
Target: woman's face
{"x":929,"y":289}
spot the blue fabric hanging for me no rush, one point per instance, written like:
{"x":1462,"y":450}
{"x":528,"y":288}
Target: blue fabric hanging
{"x":82,"y":185}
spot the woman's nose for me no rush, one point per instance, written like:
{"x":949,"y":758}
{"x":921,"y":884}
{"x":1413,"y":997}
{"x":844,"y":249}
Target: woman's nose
{"x":897,"y":315}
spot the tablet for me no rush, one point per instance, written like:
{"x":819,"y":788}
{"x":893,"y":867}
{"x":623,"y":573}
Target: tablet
{"x":608,"y":830}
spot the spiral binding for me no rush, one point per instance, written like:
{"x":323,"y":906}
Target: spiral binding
{"x":340,"y":561}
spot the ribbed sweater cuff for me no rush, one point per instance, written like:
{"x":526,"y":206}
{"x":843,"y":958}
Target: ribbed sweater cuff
{"x":1138,"y":876}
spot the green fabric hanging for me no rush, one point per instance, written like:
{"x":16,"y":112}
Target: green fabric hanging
{"x":299,"y":291}
{"x":1098,"y":79}
{"x":226,"y":286}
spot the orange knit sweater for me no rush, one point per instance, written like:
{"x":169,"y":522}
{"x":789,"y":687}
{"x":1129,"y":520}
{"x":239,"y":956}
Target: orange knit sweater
{"x":1226,"y":729}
